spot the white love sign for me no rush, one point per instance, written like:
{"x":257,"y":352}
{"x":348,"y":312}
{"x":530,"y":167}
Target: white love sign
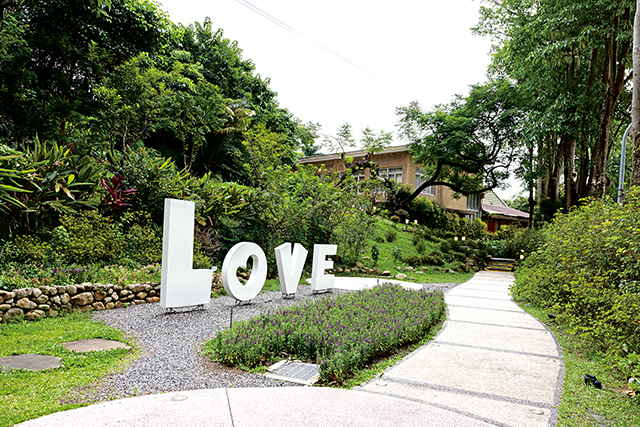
{"x":183,"y":286}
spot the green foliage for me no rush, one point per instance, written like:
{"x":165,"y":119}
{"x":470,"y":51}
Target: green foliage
{"x":396,"y":253}
{"x":52,"y":181}
{"x":434,"y":258}
{"x":266,"y":150}
{"x":390,"y":235}
{"x":47,"y":391}
{"x":46,"y":39}
{"x":341,"y":334}
{"x":351,"y":235}
{"x":26,"y":248}
{"x":91,"y":238}
{"x":375,"y":253}
{"x":421,"y":246}
{"x":445,"y":246}
{"x":427,"y":213}
{"x":141,"y":238}
{"x":587,"y":271}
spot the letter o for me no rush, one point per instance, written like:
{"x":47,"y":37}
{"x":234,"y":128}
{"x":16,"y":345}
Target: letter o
{"x":237,"y":257}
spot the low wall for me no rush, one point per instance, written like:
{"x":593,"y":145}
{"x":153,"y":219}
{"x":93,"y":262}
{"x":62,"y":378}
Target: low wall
{"x":36,"y":303}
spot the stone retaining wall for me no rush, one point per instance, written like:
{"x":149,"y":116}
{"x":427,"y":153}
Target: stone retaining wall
{"x":36,"y":303}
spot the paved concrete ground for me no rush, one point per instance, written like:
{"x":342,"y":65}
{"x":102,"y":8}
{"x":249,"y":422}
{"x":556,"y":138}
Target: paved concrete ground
{"x":491,"y":364}
{"x":491,"y":361}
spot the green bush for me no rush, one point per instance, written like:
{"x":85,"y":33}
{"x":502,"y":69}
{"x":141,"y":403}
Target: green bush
{"x":396,"y":253}
{"x":433,"y":258}
{"x":445,"y":246}
{"x":26,"y":249}
{"x":142,"y":239}
{"x":428,"y":213}
{"x":421,"y":246}
{"x":588,"y":272}
{"x":91,"y":238}
{"x":390,"y":236}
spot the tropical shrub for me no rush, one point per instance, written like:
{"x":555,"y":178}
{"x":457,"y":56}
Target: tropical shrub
{"x":44,"y":182}
{"x":91,"y":238}
{"x":588,"y":271}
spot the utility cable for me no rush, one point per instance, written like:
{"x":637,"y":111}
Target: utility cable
{"x":299,"y":34}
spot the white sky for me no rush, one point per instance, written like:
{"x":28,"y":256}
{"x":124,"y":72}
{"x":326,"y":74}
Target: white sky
{"x":411,"y":50}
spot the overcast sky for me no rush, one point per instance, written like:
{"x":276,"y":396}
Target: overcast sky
{"x":353,"y":61}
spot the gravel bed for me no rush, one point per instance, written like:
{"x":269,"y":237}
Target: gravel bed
{"x":171,"y":345}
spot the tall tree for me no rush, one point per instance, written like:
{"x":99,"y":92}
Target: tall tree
{"x":467,"y":145}
{"x":635,"y":103}
{"x":54,"y":52}
{"x":573,"y":58}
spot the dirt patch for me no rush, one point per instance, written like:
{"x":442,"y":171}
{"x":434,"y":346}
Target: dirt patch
{"x":219,"y":368}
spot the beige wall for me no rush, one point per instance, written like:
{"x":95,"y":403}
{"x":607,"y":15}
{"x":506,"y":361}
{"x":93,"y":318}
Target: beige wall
{"x":403,"y":159}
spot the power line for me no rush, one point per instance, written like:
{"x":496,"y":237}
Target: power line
{"x":299,"y":34}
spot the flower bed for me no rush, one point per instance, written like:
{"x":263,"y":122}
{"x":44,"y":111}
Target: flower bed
{"x":341,"y":334}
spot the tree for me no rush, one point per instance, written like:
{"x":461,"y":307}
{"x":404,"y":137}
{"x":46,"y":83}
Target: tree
{"x":306,"y":136}
{"x":372,"y":143}
{"x":635,"y":107}
{"x":467,"y":145}
{"x":572,"y":58}
{"x":54,"y":52}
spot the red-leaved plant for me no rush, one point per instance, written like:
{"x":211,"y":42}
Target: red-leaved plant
{"x":117,"y":197}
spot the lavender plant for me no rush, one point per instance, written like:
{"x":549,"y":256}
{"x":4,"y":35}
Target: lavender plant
{"x":341,"y":334}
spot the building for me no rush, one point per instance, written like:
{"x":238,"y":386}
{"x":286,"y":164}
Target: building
{"x":397,"y":164}
{"x":496,"y":213}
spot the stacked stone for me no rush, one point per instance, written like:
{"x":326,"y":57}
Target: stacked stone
{"x":36,"y":303}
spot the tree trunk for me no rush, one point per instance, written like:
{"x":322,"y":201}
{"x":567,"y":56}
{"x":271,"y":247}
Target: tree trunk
{"x":634,"y":135}
{"x":613,"y":76}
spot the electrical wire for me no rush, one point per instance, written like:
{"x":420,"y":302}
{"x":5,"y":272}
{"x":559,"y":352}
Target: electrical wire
{"x":299,"y":34}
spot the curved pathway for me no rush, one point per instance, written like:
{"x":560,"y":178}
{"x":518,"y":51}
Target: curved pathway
{"x":491,"y":364}
{"x":491,"y":361}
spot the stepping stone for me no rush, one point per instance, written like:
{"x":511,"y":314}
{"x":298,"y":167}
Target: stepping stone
{"x":95,"y":344}
{"x":30,"y":362}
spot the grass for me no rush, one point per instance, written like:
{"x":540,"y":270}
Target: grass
{"x":403,"y":243}
{"x":582,"y":405}
{"x":25,"y":394}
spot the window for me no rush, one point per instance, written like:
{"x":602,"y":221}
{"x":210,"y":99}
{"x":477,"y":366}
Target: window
{"x":394,"y":174}
{"x":359,"y":177}
{"x":473,"y":204}
{"x":430,"y":190}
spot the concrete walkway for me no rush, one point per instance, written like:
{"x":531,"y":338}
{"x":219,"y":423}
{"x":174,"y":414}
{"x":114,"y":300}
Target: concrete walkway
{"x":491,"y":361}
{"x":491,"y":364}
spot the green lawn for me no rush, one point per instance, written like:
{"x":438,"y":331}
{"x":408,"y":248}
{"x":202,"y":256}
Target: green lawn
{"x":583,"y":405}
{"x":25,"y":395}
{"x":403,"y":243}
